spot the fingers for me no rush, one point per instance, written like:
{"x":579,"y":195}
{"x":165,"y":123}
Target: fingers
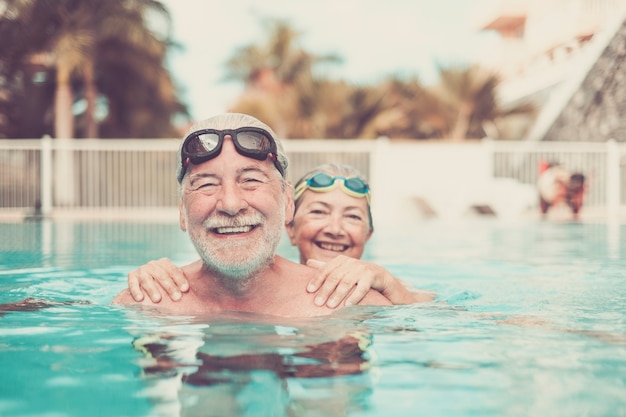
{"x":332,"y":290}
{"x":360,"y":291}
{"x":133,"y":286}
{"x":343,"y":288}
{"x":318,"y":279}
{"x":175,"y":274}
{"x":145,"y":282}
{"x":339,"y":278}
{"x":148,"y":278}
{"x":325,"y":281}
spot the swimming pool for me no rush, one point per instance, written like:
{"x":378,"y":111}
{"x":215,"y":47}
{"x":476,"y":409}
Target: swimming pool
{"x":530,"y":320}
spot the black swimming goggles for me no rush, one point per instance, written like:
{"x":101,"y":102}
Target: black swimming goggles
{"x":323,"y":182}
{"x":205,"y":144}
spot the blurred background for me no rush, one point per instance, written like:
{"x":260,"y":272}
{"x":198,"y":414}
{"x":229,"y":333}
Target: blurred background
{"x":450,"y":109}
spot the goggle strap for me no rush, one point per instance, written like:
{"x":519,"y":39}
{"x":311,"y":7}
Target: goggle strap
{"x":302,"y":187}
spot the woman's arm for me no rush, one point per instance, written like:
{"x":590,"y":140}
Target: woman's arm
{"x":342,"y":279}
{"x":345,"y":279}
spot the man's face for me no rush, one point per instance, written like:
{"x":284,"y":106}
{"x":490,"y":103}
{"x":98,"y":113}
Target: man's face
{"x":234,"y":209}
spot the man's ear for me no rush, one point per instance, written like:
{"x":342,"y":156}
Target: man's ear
{"x":181,"y":218}
{"x":291,"y":233}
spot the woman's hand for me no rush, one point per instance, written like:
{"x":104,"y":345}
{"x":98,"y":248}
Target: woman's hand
{"x":149,"y":277}
{"x":345,"y":279}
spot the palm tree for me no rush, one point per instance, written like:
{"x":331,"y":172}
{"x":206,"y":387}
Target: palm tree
{"x":135,"y":82}
{"x":281,"y":74}
{"x":283,"y":88}
{"x":75,"y":34}
{"x":77,"y":38}
{"x":471,"y":94}
{"x":90,"y":24}
{"x":19,"y":66}
{"x":421,"y":113}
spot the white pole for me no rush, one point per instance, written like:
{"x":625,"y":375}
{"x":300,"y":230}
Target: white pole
{"x":379,"y":156}
{"x":46,"y":175}
{"x":490,"y":157}
{"x":612,"y":179}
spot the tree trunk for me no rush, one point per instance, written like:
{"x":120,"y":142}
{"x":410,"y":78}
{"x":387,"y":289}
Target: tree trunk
{"x":90,"y":97}
{"x":462,"y":122}
{"x":65,"y":189}
{"x":63,"y":118}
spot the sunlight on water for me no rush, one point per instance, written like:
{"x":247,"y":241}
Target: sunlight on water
{"x":529,"y":320}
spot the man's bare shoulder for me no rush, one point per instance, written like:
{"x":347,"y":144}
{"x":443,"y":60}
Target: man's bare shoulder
{"x":374,"y":298}
{"x":286,"y":268}
{"x":124,"y":298}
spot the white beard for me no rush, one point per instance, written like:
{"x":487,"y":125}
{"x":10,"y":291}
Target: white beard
{"x":238,"y":261}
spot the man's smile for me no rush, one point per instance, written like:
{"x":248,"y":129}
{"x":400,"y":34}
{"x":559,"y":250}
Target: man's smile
{"x":229,"y":230}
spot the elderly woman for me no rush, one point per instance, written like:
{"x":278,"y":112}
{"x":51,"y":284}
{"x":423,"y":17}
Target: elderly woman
{"x":331,"y":225}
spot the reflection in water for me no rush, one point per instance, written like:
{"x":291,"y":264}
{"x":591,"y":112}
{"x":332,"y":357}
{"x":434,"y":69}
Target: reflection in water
{"x":35,"y":304}
{"x":530,"y":321}
{"x":257,"y":369}
{"x":91,"y":244}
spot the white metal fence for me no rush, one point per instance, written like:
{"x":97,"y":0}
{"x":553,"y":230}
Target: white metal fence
{"x":139,"y":174}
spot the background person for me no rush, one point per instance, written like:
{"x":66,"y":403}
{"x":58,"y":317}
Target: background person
{"x":234,"y":203}
{"x":558,"y":186}
{"x":331,"y":226}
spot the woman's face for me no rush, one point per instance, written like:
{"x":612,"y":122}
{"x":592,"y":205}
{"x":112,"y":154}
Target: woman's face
{"x":328,"y":224}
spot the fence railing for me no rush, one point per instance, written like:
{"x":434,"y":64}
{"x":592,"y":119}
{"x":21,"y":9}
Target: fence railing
{"x":54,"y":175}
{"x":604,"y":165}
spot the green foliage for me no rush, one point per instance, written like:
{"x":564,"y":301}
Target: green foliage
{"x":282,"y":83}
{"x":106,"y":54}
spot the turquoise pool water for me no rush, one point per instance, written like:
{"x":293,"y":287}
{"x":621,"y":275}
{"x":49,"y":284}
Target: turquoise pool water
{"x":530,"y":321}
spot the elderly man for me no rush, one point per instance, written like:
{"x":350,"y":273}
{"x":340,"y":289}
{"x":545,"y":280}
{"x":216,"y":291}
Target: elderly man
{"x":234,"y":203}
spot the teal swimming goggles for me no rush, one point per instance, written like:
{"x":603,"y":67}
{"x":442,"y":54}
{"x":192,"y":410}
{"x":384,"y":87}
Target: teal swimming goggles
{"x":322,"y":183}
